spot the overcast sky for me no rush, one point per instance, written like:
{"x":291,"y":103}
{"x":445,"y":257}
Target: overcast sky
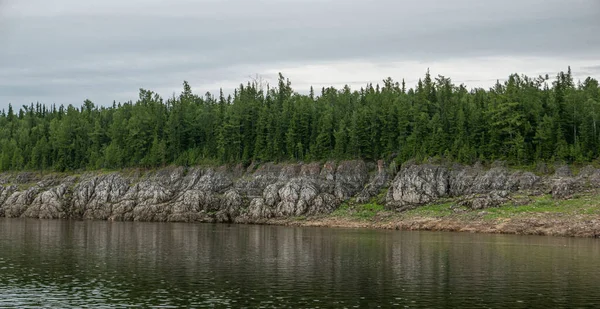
{"x":64,"y":51}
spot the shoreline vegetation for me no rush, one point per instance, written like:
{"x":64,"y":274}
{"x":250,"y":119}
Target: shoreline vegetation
{"x":578,"y":216}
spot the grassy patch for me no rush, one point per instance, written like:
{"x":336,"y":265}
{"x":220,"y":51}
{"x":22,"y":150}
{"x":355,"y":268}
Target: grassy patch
{"x":432,"y":210}
{"x":542,"y":204}
{"x":367,"y":211}
{"x":582,"y":204}
{"x":358,"y":211}
{"x":342,"y":210}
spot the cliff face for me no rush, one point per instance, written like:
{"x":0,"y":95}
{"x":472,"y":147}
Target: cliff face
{"x":236,"y":194}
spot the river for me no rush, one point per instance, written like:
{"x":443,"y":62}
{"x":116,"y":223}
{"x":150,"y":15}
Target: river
{"x":97,"y":264}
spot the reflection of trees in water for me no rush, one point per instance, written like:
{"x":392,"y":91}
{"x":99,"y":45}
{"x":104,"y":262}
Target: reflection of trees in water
{"x":183,"y":264}
{"x":491,"y":269}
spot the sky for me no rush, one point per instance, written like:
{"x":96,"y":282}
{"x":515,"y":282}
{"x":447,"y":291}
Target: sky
{"x":66,"y":51}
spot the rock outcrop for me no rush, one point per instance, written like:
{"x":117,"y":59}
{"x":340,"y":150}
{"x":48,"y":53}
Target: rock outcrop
{"x":259,"y":192}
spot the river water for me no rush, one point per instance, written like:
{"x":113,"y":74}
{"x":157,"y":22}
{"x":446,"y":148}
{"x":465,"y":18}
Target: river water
{"x":96,"y":264}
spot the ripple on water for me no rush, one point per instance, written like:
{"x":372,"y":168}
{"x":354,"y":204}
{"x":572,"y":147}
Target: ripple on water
{"x":150,"y":265}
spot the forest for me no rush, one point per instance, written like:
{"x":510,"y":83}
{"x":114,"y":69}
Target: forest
{"x":522,"y":120}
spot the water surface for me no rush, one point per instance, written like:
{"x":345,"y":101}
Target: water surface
{"x":95,"y":264}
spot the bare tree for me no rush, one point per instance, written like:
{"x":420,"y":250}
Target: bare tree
{"x":259,"y":82}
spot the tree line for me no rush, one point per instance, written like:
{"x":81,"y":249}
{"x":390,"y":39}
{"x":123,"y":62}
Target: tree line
{"x":522,"y":120}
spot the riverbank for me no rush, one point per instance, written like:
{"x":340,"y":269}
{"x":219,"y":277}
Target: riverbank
{"x":444,"y":197}
{"x":578,"y":216}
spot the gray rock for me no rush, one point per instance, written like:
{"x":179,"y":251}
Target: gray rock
{"x":462,"y":179}
{"x":494,"y":179}
{"x":563,"y":188}
{"x":254,"y":184}
{"x":589,"y":176}
{"x":258,"y":209}
{"x":192,"y":205}
{"x":17,"y":203}
{"x":323,"y":203}
{"x":418,"y":185}
{"x":375,"y":185}
{"x":50,"y":204}
{"x":232,"y":201}
{"x":563,"y":171}
{"x":5,"y":192}
{"x":123,"y":210}
{"x":271,"y":194}
{"x":328,"y":171}
{"x":311,"y":170}
{"x":492,"y":199}
{"x":262,"y":191}
{"x":211,"y":180}
{"x":93,"y":198}
{"x":295,"y":197}
{"x":350,"y":178}
{"x":26,"y":177}
{"x":526,"y":180}
{"x":587,"y":171}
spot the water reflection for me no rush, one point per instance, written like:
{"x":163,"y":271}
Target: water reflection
{"x":70,"y":264}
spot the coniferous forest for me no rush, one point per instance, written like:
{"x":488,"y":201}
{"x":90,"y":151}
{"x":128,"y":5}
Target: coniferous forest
{"x":523,"y":120}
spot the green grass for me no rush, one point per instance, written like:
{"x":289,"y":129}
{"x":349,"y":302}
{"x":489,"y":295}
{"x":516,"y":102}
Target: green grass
{"x":582,"y":204}
{"x":432,"y":210}
{"x":342,"y":210}
{"x":542,"y":204}
{"x":579,"y":204}
{"x":358,"y":211}
{"x":368,"y":211}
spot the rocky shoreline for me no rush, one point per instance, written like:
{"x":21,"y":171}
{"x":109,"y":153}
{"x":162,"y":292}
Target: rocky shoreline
{"x":542,"y":224}
{"x":280,"y":193}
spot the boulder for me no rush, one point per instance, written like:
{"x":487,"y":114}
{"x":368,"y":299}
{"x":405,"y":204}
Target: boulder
{"x":418,"y":185}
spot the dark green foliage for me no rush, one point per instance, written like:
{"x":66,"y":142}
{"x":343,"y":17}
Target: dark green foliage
{"x":522,"y":120}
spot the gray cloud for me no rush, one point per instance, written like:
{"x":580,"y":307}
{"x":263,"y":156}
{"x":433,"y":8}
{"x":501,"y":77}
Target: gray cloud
{"x":592,"y":70}
{"x":66,"y":50}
